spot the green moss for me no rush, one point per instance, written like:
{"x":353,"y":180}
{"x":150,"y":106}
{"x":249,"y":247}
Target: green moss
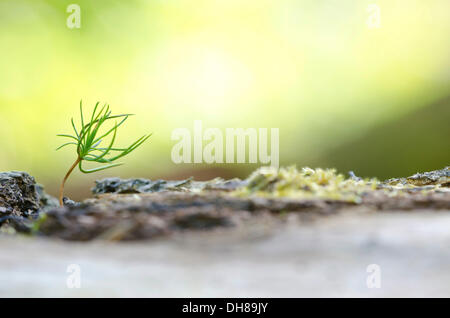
{"x":37,"y":224}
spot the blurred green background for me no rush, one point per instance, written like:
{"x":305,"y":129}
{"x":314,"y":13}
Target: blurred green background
{"x":344,"y":95}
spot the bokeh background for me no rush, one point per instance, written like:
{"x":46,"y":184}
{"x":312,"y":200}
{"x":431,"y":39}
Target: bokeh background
{"x":344,"y":95}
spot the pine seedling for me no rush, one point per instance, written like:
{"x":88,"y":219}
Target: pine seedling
{"x":88,"y":138}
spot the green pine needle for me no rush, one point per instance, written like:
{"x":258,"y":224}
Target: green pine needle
{"x":88,"y":138}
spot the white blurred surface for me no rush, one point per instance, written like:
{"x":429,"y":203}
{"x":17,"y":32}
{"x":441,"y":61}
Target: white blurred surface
{"x":324,"y":258}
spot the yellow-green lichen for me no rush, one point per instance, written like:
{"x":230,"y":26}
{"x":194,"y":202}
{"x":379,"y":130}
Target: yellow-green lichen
{"x":306,"y":183}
